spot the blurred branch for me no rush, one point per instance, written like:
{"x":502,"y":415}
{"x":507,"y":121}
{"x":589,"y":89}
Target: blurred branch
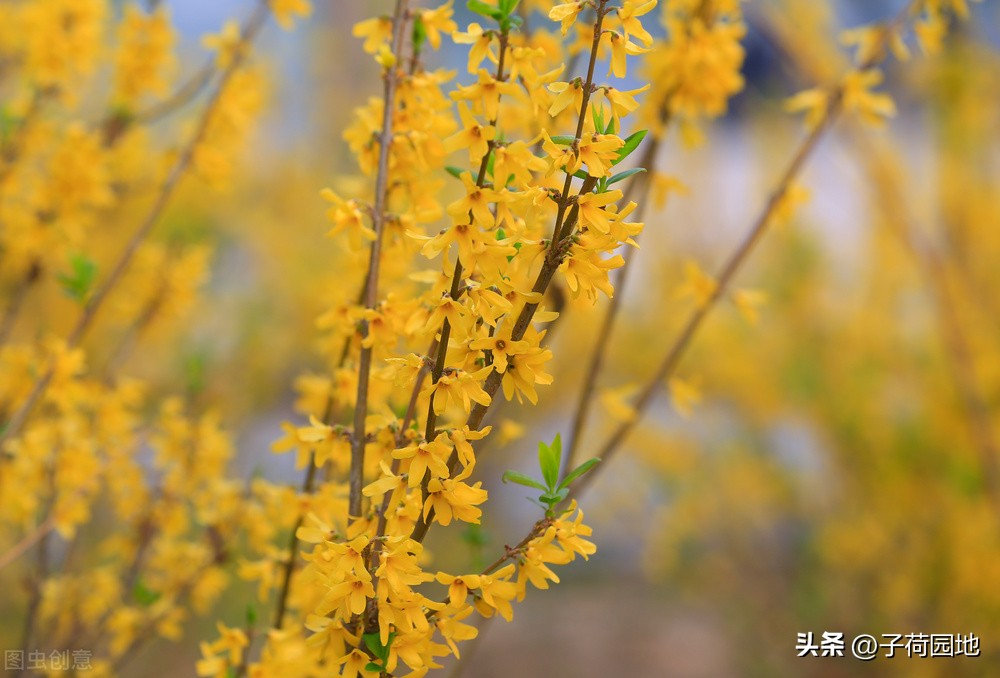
{"x":896,"y":214}
{"x":358,"y":442}
{"x":736,"y":260}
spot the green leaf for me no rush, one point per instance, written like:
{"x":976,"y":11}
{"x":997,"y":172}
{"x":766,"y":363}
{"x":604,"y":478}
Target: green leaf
{"x":552,"y":498}
{"x":578,"y":471}
{"x":489,"y":164}
{"x":563,"y":139}
{"x":196,"y":370}
{"x":419,"y":33}
{"x":251,"y":614}
{"x":631,"y":143}
{"x":521,"y":479}
{"x":580,"y":174}
{"x":622,"y":176}
{"x":374,"y":643}
{"x":456,"y":172}
{"x":143,"y":595}
{"x":597,"y":113}
{"x":508,"y":6}
{"x":548,"y":460}
{"x":372,"y":666}
{"x":511,"y":21}
{"x":484,"y":9}
{"x":77,"y":284}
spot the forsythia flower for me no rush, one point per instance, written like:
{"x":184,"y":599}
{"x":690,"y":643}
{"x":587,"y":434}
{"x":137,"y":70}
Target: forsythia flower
{"x":286,"y":10}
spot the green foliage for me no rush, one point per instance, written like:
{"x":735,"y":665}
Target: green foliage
{"x":143,"y":595}
{"x":381,"y":652}
{"x":419,"y":36}
{"x":632,"y":142}
{"x":79,"y":283}
{"x":553,"y":491}
{"x":503,"y":13}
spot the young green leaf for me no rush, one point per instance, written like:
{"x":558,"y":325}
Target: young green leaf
{"x":622,"y":176}
{"x":548,"y":461}
{"x":563,"y":139}
{"x":143,"y":595}
{"x":521,"y":479}
{"x":456,"y":172}
{"x":419,"y":33}
{"x":374,"y":643}
{"x":597,"y":113}
{"x":484,"y":9}
{"x":577,"y":472}
{"x":632,"y":142}
{"x":508,"y":6}
{"x":78,"y":283}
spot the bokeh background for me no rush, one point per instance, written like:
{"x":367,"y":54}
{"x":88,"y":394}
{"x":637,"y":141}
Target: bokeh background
{"x":837,"y":472}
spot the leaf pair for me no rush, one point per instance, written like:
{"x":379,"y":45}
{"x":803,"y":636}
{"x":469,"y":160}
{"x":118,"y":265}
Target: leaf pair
{"x":373,"y":642}
{"x":553,"y":491}
{"x":503,"y":13}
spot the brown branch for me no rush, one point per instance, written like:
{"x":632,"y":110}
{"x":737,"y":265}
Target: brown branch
{"x":735,"y":262}
{"x":565,"y":222}
{"x":588,"y":388}
{"x":390,"y":79}
{"x":17,"y":298}
{"x":897,"y":215}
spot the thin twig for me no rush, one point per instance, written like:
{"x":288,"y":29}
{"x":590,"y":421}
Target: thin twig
{"x":565,"y":222}
{"x":356,"y":478}
{"x":735,"y":262}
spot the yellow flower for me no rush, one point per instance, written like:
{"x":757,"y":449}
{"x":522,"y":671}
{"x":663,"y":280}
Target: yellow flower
{"x":629,"y":14}
{"x":500,"y":347}
{"x":620,"y":47}
{"x":285,"y":11}
{"x":480,"y":41}
{"x":472,"y":135}
{"x":697,"y":284}
{"x":747,"y":302}
{"x":144,"y":60}
{"x":566,"y":13}
{"x":814,"y":102}
{"x":592,"y":210}
{"x":598,"y":151}
{"x":567,"y":93}
{"x":227,"y":44}
{"x":347,"y":598}
{"x":437,"y":21}
{"x":424,"y":457}
{"x":376,"y":33}
{"x":454,"y":498}
{"x":485,"y":93}
{"x":615,"y":402}
{"x":523,"y":372}
{"x":460,"y":388}
{"x":858,"y":97}
{"x":354,"y":665}
{"x":347,"y":216}
{"x":684,"y":396}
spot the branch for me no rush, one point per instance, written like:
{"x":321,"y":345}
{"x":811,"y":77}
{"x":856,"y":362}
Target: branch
{"x":371,"y":285}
